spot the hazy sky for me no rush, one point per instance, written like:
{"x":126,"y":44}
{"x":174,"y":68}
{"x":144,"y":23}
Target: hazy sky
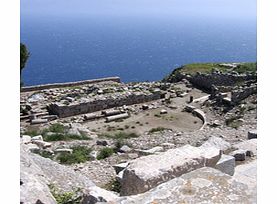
{"x":203,"y":8}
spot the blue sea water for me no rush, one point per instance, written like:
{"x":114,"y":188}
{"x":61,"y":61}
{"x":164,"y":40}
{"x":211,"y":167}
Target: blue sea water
{"x":135,"y":49}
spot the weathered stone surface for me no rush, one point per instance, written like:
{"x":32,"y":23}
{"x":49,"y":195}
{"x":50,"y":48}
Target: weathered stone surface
{"x":151,"y":151}
{"x":125,"y":148}
{"x":42,"y":144}
{"x":217,"y":143}
{"x":39,"y":121}
{"x":247,"y":174}
{"x":41,"y":171}
{"x":163,"y":111}
{"x":239,"y":154}
{"x":252,"y":134}
{"x":205,"y":185}
{"x":25,"y":139}
{"x":147,"y":172}
{"x":119,"y":167}
{"x":226,"y":164}
{"x":39,"y":137}
{"x":34,"y":186}
{"x":211,"y":155}
{"x":248,"y":145}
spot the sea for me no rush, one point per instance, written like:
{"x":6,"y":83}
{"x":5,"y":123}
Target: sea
{"x":135,"y":49}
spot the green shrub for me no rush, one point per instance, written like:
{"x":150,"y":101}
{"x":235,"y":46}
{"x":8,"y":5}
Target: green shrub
{"x":65,"y":197}
{"x":113,"y":185}
{"x":64,"y":137}
{"x":57,"y":128}
{"x":121,"y":135}
{"x":233,"y":122}
{"x":46,"y":154}
{"x":80,"y":154}
{"x":104,"y":153}
{"x":158,"y":129}
{"x":31,"y":133}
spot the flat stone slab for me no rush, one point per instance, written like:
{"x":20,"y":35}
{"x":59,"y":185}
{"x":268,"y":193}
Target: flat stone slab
{"x":205,"y":185}
{"x":147,"y":172}
{"x":247,"y":174}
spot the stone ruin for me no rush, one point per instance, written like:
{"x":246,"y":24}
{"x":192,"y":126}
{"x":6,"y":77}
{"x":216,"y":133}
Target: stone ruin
{"x":101,"y":103}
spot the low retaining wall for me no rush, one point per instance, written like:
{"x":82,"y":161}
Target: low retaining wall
{"x":68,"y":84}
{"x":100,"y":104}
{"x":206,"y":81}
{"x":238,"y":95}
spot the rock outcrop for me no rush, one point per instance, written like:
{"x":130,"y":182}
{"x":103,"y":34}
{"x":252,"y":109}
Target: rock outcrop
{"x":38,"y":172}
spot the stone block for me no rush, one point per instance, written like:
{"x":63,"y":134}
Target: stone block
{"x":239,"y":154}
{"x":25,"y":139}
{"x":204,"y":185}
{"x":252,"y":134}
{"x":64,"y":151}
{"x":39,"y":137}
{"x":125,"y":148}
{"x":226,"y":164}
{"x":38,"y":121}
{"x":147,"y":172}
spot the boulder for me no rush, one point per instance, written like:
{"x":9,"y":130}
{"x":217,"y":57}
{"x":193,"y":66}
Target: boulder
{"x":226,"y":164}
{"x":125,"y":148}
{"x":25,"y":139}
{"x":163,"y":111}
{"x":239,"y":154}
{"x":252,"y":134}
{"x":102,"y":142}
{"x":218,"y":143}
{"x":204,"y":185}
{"x":144,"y":107}
{"x":39,"y":137}
{"x":147,"y":172}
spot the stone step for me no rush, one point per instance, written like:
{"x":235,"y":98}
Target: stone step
{"x":147,"y":172}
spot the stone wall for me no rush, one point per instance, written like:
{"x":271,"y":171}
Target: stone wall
{"x":68,"y":84}
{"x":96,"y":105}
{"x":238,"y":95}
{"x":205,"y":81}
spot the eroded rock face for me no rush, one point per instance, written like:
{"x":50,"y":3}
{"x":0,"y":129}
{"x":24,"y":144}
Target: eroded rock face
{"x":33,"y":186}
{"x":205,"y":185}
{"x":37,"y":173}
{"x":147,"y":172}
